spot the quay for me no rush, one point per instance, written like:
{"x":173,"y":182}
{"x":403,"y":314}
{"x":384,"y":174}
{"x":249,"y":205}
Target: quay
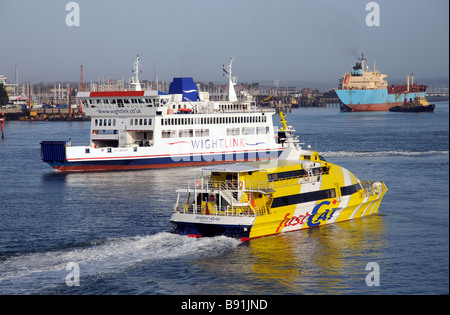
{"x":47,"y":114}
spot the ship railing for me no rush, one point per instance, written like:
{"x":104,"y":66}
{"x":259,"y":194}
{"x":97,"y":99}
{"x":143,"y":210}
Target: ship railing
{"x":255,"y":185}
{"x":372,"y":188}
{"x":225,"y":111}
{"x":239,"y":211}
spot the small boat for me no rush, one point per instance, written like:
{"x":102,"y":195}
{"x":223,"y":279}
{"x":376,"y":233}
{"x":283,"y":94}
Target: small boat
{"x":418,"y":105}
{"x":298,"y":191}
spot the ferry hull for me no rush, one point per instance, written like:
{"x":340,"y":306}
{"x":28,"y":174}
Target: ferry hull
{"x":86,"y":164}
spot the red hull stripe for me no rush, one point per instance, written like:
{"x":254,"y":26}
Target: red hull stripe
{"x":117,"y":94}
{"x":194,"y":235}
{"x":373,"y":107}
{"x":97,"y":167}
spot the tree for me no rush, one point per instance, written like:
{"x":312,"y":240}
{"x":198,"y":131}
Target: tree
{"x":4,"y":98}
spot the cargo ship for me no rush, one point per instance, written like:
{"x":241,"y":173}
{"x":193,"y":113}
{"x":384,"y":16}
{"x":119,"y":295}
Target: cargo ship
{"x":300,"y":190}
{"x":140,"y":129}
{"x":364,"y":90}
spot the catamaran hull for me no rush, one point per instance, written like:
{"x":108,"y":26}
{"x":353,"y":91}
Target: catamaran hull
{"x":243,"y":228}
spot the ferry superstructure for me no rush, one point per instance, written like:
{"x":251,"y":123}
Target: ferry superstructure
{"x":364,"y":90}
{"x":149,"y":129}
{"x":300,"y":190}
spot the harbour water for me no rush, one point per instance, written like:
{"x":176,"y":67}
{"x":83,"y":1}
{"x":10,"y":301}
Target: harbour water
{"x":114,"y":226}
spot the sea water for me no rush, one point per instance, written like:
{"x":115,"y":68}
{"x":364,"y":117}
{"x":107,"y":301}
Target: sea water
{"x":107,"y":233}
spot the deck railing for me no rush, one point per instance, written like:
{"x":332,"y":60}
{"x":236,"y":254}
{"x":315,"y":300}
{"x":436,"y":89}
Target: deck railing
{"x":233,"y":185}
{"x":241,"y":211}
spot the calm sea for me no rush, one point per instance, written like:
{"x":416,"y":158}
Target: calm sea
{"x":111,"y":228}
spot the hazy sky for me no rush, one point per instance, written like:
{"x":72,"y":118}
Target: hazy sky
{"x":269,"y":39}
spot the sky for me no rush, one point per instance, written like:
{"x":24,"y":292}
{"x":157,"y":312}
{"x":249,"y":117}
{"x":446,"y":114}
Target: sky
{"x":288,"y":40}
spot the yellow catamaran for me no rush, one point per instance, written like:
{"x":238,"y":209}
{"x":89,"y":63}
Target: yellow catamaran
{"x":298,"y":191}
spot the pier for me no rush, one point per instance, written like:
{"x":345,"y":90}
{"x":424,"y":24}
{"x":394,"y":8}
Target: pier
{"x":47,"y":114}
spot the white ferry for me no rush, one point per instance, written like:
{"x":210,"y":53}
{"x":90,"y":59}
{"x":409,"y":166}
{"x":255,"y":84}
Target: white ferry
{"x":149,"y":129}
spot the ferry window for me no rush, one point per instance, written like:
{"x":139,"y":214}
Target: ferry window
{"x":348,"y":190}
{"x":100,"y":122}
{"x":104,"y":123}
{"x":126,"y":101}
{"x":248,"y":130}
{"x":145,"y":122}
{"x":202,"y":133}
{"x":141,"y":101}
{"x":114,"y":122}
{"x":305,"y":197}
{"x":233,"y":131}
{"x":99,"y":101}
{"x":133,"y":101}
{"x":149,"y":121}
{"x":156,"y":102}
{"x":136,"y":122}
{"x":109,"y":122}
{"x":120,"y":103}
{"x":140,"y":121}
{"x":260,"y":130}
{"x":96,"y":122}
{"x":169,"y":133}
{"x":185,"y":133}
{"x":106,"y":101}
{"x":112,"y":101}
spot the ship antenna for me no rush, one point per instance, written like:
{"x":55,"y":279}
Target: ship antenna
{"x":231,"y":82}
{"x":135,"y":79}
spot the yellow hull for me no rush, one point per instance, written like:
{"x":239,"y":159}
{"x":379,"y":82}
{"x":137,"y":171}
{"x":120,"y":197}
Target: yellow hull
{"x":326,"y":213}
